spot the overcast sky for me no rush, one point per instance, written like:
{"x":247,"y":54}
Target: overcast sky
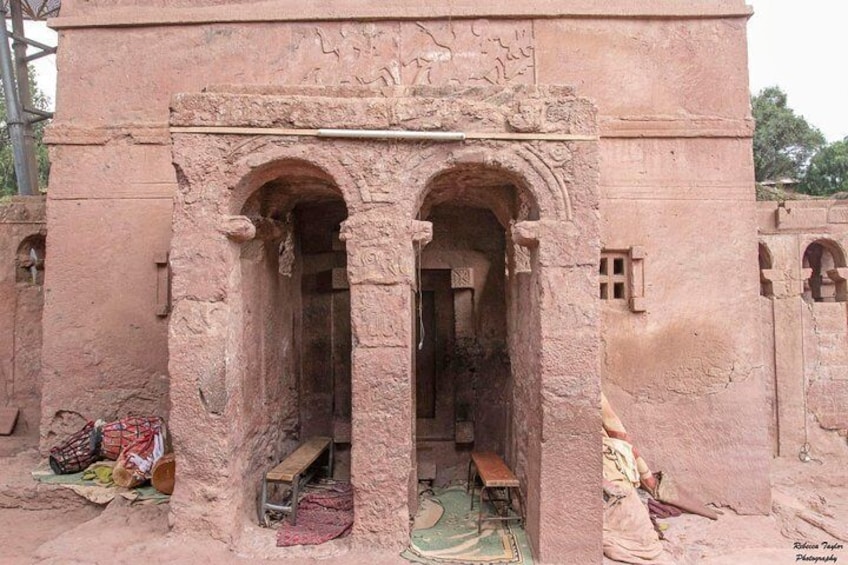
{"x":799,"y":45}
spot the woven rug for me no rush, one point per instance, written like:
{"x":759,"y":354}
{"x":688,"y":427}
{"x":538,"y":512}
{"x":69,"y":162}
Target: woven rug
{"x":321,"y":516}
{"x":454,"y":539}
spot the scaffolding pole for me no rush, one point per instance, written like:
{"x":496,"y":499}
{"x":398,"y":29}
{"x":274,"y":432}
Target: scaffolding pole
{"x":19,"y":50}
{"x":15,"y":119}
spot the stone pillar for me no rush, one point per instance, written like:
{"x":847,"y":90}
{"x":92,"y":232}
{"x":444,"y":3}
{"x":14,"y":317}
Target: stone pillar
{"x":570,"y":514}
{"x":381,"y":272}
{"x":205,"y":364}
{"x":789,"y":357}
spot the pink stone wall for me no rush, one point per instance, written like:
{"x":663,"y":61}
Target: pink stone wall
{"x":691,"y":362}
{"x":673,"y":165}
{"x":807,"y":339}
{"x":21,"y":301}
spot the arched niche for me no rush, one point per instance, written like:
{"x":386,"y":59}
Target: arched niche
{"x":826,"y":261}
{"x":30,"y":260}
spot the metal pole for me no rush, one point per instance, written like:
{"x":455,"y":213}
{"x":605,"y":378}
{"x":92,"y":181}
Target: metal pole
{"x":19,"y":49}
{"x":14,"y":119}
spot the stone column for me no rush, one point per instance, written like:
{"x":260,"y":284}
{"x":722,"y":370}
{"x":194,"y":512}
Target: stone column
{"x":381,"y":270}
{"x":570,"y":513}
{"x":205,"y":365}
{"x":789,"y":357}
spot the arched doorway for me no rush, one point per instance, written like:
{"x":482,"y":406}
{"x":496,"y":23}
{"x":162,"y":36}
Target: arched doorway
{"x":823,"y":257}
{"x":259,"y":336}
{"x":296,"y":312}
{"x":464,"y":378}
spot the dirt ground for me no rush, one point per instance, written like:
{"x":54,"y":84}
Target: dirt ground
{"x":50,"y":525}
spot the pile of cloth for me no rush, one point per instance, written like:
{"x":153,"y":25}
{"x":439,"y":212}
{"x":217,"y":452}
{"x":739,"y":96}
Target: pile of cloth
{"x":134,"y":443}
{"x":322,"y":515}
{"x":631,"y":534}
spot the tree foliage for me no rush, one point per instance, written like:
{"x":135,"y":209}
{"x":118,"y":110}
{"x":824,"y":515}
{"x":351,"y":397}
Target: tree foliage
{"x":8,"y":181}
{"x":828,"y":170}
{"x":783,"y":141}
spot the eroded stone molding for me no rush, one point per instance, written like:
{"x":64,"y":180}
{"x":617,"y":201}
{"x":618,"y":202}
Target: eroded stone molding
{"x":81,"y":15}
{"x":552,"y":109}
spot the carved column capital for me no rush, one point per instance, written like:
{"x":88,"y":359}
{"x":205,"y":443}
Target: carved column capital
{"x":422,"y":232}
{"x":526,"y":233}
{"x":380,"y":246}
{"x":237,"y":228}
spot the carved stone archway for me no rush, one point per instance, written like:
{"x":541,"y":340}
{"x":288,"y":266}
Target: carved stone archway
{"x":544,"y":138}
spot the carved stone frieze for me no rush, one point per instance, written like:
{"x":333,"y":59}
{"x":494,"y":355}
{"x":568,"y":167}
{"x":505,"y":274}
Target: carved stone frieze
{"x":468,"y":52}
{"x":345,"y":53}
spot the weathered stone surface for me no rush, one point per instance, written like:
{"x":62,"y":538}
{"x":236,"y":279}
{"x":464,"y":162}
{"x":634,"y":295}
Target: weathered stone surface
{"x":22,"y":228}
{"x":672,"y":172}
{"x":809,"y":337}
{"x":238,"y":228}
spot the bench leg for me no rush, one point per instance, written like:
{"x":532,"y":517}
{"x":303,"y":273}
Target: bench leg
{"x":263,"y":513}
{"x":295,"y":489}
{"x":521,"y":504}
{"x":480,"y":514}
{"x":472,"y":479}
{"x":330,"y":461}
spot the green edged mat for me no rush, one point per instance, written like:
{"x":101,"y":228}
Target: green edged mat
{"x":454,"y":539}
{"x":97,"y":493}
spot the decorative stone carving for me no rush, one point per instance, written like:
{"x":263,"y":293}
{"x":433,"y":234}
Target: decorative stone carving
{"x":422,"y":232}
{"x":379,"y":249}
{"x":462,"y":278}
{"x":476,"y":52}
{"x":349,"y":53}
{"x":286,"y":249}
{"x":381,"y":331}
{"x":521,"y":259}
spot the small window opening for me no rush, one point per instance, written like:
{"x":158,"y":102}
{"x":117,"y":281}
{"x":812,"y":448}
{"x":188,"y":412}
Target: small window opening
{"x":618,"y":266}
{"x":618,"y":291}
{"x":614,"y":283}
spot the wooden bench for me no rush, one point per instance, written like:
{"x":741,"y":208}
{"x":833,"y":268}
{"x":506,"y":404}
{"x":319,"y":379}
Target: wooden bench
{"x":494,"y":474}
{"x":293,"y":470}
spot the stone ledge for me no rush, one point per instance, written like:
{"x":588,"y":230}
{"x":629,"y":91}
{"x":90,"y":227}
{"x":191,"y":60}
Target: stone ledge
{"x":611,"y":128}
{"x":139,"y":15}
{"x":675,"y":127}
{"x":515,"y":109}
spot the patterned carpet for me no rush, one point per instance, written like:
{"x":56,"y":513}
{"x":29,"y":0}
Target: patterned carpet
{"x":454,"y":539}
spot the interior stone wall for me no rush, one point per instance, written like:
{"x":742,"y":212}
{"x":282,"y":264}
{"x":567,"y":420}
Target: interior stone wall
{"x":477,"y":370}
{"x":269,"y":412}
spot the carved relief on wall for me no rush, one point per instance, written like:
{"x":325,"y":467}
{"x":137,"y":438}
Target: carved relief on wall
{"x":344,"y":53}
{"x":374,"y":167}
{"x":478,"y":52}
